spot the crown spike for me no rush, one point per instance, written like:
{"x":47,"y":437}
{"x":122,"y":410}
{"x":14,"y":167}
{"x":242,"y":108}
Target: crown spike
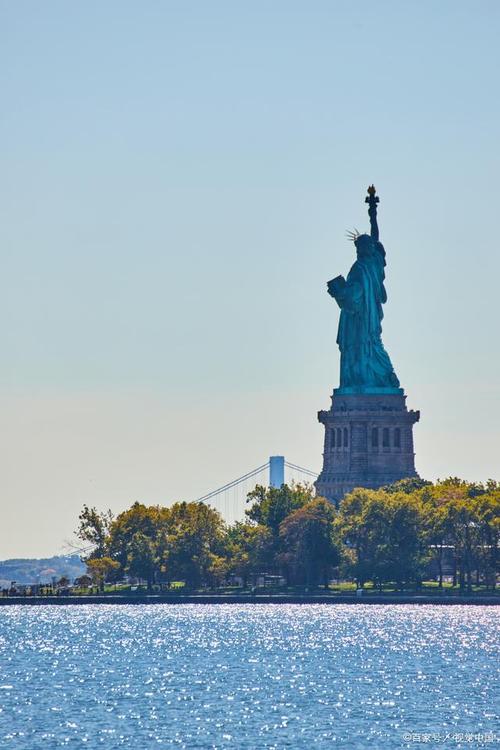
{"x":352,"y":235}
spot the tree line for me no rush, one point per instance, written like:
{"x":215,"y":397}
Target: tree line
{"x":393,"y":534}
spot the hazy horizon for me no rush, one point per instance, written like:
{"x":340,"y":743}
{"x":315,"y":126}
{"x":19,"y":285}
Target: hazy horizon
{"x":175,"y":186}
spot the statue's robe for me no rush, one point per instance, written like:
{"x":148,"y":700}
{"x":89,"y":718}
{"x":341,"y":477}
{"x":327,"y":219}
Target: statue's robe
{"x":364,"y":361}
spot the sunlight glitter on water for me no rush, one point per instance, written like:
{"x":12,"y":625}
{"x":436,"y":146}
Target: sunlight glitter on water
{"x":245,"y":676}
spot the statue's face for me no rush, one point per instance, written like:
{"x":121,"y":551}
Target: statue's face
{"x":364,"y":245}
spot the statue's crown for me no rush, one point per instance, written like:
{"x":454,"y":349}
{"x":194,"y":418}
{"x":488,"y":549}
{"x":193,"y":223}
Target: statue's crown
{"x":352,"y":235}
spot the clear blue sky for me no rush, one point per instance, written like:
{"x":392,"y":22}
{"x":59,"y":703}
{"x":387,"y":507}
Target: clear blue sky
{"x":176,"y":180}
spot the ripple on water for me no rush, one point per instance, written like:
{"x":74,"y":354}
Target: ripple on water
{"x":245,"y":676}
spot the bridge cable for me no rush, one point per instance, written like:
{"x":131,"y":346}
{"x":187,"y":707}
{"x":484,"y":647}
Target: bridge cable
{"x":301,"y":469}
{"x":235,"y":482}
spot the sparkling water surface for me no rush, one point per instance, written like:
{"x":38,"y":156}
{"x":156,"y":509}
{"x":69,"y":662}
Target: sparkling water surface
{"x":248,"y":676}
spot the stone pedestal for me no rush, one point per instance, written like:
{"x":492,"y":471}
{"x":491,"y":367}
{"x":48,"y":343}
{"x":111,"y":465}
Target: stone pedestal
{"x":368,"y":441}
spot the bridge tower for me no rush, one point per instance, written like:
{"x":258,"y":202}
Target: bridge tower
{"x":276,"y":471}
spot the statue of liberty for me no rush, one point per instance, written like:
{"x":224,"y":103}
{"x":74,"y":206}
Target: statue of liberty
{"x":364,"y":363}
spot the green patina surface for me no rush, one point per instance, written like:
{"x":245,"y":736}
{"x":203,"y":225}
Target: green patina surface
{"x":365,"y":366}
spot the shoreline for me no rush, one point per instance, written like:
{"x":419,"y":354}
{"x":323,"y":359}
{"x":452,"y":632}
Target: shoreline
{"x":246,"y":599}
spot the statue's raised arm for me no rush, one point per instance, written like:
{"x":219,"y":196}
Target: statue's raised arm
{"x":372,"y":201}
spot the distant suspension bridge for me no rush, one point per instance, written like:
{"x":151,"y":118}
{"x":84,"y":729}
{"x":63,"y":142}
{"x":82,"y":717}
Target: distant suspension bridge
{"x":231,"y":499}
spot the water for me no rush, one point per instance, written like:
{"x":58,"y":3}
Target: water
{"x":248,"y":676}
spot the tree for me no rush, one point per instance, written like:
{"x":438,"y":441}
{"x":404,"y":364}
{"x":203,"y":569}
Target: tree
{"x":93,"y":530}
{"x":488,"y":519}
{"x":217,"y":570}
{"x":195,"y":538}
{"x":463,"y":521}
{"x":271,"y":505}
{"x":408,"y":485}
{"x":438,"y":531}
{"x":381,"y":535}
{"x":142,"y":559}
{"x":405,"y":553}
{"x":386,"y":536}
{"x":353,"y":536}
{"x":99,"y":568}
{"x":465,"y":516}
{"x":250,"y":550}
{"x":149,"y":521}
{"x":309,"y":550}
